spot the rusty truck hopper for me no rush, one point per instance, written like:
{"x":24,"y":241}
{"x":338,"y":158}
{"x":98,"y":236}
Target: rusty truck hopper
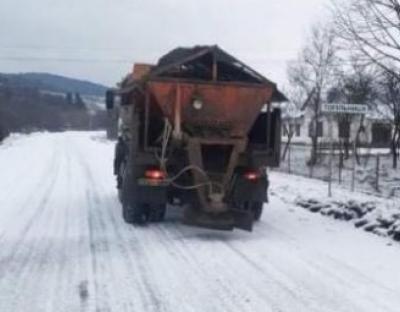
{"x":228,"y":100}
{"x":223,"y":109}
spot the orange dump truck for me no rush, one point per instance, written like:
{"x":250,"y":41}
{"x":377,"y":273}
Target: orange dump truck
{"x":197,"y":130}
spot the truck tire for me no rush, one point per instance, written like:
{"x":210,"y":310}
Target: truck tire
{"x":120,"y":179}
{"x":133,"y":212}
{"x":257,"y":209}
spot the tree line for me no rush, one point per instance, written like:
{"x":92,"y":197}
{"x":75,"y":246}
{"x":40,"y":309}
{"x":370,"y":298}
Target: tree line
{"x":24,"y":109}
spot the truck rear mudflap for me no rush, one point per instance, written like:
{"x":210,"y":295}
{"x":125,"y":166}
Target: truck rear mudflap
{"x":226,"y":221}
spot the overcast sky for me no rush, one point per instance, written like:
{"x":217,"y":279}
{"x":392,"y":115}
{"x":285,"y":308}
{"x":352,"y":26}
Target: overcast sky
{"x":99,"y":40}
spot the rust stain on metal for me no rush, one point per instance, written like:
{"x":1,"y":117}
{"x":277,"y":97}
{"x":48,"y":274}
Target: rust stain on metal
{"x":229,"y":106}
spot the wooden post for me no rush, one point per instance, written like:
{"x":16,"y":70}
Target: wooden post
{"x":330,"y":167}
{"x":341,"y":159}
{"x":353,"y":176}
{"x":378,"y":164}
{"x":330,"y":158}
{"x":311,"y":172}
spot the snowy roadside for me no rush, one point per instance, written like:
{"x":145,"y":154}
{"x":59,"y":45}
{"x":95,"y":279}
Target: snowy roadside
{"x":14,"y":138}
{"x":373,"y":214}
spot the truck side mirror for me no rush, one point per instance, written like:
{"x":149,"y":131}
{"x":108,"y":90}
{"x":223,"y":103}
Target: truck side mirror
{"x":110,"y":99}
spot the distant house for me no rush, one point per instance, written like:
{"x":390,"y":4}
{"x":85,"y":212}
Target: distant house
{"x":377,"y":129}
{"x":293,"y":120}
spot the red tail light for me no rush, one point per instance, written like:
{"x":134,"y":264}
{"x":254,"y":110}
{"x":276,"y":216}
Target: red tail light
{"x":154,"y":174}
{"x":252,"y":175}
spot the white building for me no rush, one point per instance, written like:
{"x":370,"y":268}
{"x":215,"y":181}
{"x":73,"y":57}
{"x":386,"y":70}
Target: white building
{"x":300,"y":122}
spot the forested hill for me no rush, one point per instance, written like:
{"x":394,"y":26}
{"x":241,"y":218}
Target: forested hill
{"x":36,"y":102}
{"x":53,"y":83}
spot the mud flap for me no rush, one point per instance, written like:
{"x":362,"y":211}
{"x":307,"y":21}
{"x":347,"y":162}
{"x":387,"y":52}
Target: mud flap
{"x":223,"y":222}
{"x":243,"y":220}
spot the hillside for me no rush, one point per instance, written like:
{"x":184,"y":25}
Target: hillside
{"x":53,"y":83}
{"x":35,"y":102}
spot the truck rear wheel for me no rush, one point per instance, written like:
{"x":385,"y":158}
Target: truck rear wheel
{"x":120,"y":179}
{"x":132,"y":211}
{"x":253,"y":207}
{"x":257,"y":209}
{"x":133,"y":214}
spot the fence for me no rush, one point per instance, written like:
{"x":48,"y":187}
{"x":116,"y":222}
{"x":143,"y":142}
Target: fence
{"x":366,"y":170}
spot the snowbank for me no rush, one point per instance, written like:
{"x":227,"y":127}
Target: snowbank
{"x":370,"y":216}
{"x":370,"y":213}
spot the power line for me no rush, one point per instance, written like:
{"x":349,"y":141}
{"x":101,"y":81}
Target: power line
{"x":62,"y":60}
{"x":66,"y":49}
{"x":85,"y":60}
{"x":129,"y":61}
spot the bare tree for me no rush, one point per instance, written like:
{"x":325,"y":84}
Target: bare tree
{"x":358,"y":85}
{"x":312,"y":74}
{"x":289,"y":122}
{"x":390,"y":104}
{"x":370,"y":30}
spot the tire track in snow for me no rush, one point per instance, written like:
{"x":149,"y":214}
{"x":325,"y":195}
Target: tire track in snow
{"x":55,"y":279}
{"x":138,"y":260}
{"x":32,"y":244}
{"x":98,"y":224}
{"x":151,"y":298}
{"x":271,"y":295}
{"x":37,"y":213}
{"x":142,"y":260}
{"x":98,"y":292}
{"x":323,"y":271}
{"x":147,"y":292}
{"x":81,"y":287}
{"x":229,"y":298}
{"x":13,"y":184}
{"x":46,"y":181}
{"x":309,"y":299}
{"x":273,"y":277}
{"x":286,"y":237}
{"x":63,"y":251}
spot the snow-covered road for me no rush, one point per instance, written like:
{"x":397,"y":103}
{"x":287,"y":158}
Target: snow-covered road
{"x":64,"y":247}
